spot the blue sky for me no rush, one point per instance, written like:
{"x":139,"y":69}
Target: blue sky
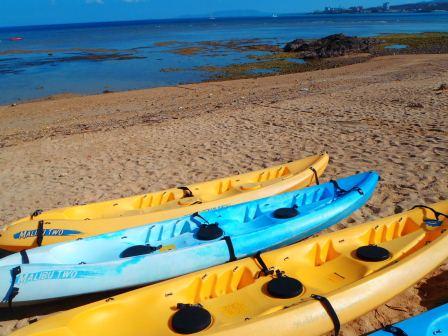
{"x":31,"y":12}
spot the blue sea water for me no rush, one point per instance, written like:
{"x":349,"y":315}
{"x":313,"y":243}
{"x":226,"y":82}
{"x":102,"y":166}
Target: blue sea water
{"x":397,"y":46}
{"x":92,"y":58}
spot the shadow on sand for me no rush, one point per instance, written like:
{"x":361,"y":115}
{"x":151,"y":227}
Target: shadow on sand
{"x":434,"y":291}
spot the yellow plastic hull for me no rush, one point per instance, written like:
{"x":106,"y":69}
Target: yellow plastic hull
{"x":235,"y":293}
{"x":96,"y":218}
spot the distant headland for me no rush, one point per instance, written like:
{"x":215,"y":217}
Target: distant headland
{"x":420,"y":7}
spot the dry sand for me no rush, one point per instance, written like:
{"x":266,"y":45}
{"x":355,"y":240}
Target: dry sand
{"x":382,"y":115}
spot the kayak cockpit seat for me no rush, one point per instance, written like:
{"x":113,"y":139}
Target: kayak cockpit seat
{"x":188,"y":201}
{"x":388,"y":250}
{"x":263,"y":220}
{"x":190,"y":319}
{"x":139,"y":250}
{"x":249,"y":186}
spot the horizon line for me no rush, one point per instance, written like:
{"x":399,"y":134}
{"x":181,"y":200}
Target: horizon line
{"x":199,"y":17}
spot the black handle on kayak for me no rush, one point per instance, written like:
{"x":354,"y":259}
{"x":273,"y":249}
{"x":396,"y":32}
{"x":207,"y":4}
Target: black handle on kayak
{"x":437,"y":214}
{"x":36,"y":213}
{"x":187,"y":191}
{"x":340,"y":191}
{"x":264,"y":269}
{"x":196,"y":214}
{"x":316,"y":176}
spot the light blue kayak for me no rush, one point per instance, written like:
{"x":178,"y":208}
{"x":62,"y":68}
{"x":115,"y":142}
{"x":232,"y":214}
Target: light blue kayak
{"x":432,"y":323}
{"x":156,"y":252}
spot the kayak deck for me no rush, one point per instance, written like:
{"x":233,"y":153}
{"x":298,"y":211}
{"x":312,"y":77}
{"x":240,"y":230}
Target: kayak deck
{"x":161,"y":251}
{"x":185,"y":196}
{"x":54,"y":226}
{"x":237,"y":297}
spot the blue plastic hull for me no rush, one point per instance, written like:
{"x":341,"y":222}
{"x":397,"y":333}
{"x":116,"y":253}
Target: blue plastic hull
{"x":431,"y":323}
{"x":97,"y":264}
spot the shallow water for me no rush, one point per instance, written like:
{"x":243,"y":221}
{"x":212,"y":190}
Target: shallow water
{"x":92,"y":58}
{"x":396,"y":46}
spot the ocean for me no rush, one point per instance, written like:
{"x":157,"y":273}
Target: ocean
{"x":95,"y":58}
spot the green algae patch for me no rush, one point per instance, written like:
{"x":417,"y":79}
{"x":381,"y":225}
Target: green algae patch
{"x":172,"y":70}
{"x":247,"y":70}
{"x":218,"y":47}
{"x":190,"y":51}
{"x":416,"y":43}
{"x":242,"y":45}
{"x":166,"y":43}
{"x":266,"y":60}
{"x":275,"y":56}
{"x":278,"y":67}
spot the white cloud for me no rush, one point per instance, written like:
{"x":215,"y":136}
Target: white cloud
{"x":98,"y":2}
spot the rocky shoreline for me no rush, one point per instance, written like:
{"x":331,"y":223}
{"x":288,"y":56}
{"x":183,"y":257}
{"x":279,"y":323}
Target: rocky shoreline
{"x":340,"y":45}
{"x":329,"y":52}
{"x":331,"y":46}
{"x":266,"y":57}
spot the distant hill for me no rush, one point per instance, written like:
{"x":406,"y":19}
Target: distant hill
{"x":423,"y":6}
{"x":240,"y":13}
{"x":416,"y":7}
{"x":229,"y":14}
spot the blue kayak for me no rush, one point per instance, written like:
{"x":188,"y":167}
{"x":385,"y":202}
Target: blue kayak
{"x":432,"y":323}
{"x":155,"y":252}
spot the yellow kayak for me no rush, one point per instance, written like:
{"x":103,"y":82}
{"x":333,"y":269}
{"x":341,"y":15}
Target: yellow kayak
{"x":308,"y":288}
{"x":54,"y":226}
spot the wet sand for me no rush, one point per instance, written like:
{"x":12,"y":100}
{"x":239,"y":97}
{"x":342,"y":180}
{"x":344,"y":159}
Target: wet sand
{"x":384,"y":114}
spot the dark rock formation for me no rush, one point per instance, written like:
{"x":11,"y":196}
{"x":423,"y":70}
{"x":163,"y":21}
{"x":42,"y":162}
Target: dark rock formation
{"x":330,"y":46}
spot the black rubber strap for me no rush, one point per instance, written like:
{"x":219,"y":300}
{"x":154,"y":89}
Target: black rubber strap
{"x":187,"y":191}
{"x":40,"y":233}
{"x":395,"y":330}
{"x":229,"y":243}
{"x":316,"y":176}
{"x":264,"y":269}
{"x":36,"y":213}
{"x":341,"y":191}
{"x":196,"y":214}
{"x":25,"y":259}
{"x":437,"y":214}
{"x":330,"y":311}
{"x":13,"y":291}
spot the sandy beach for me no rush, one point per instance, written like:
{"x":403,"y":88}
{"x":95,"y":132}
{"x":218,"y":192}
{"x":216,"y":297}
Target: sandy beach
{"x":385,"y":114}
